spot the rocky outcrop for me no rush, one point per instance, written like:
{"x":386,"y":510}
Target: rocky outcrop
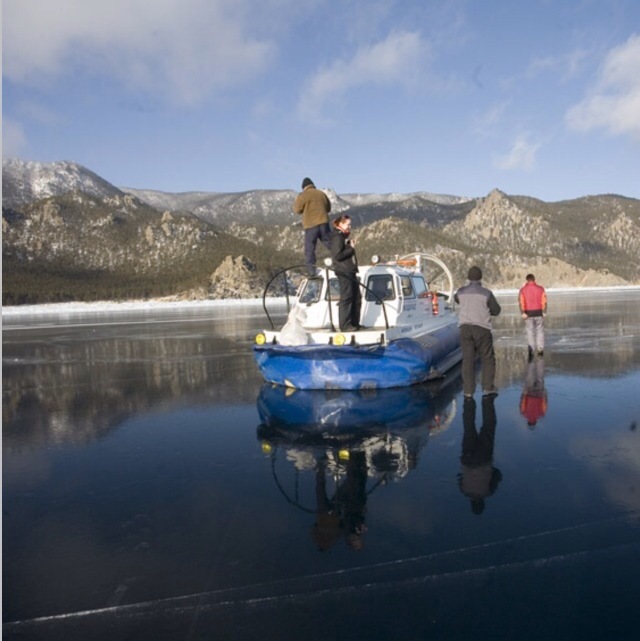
{"x":550,"y":272}
{"x":497,"y":221}
{"x":235,"y":278}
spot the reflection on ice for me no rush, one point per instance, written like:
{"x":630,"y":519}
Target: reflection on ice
{"x":310,"y":415}
{"x":478,"y":477}
{"x":590,"y":341}
{"x":352,"y":443}
{"x":533,"y":401}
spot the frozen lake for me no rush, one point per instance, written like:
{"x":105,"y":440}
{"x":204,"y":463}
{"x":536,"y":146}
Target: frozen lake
{"x":154,"y":488}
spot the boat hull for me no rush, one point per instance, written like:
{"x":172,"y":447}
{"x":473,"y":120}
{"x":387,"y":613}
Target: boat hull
{"x":403,"y":362}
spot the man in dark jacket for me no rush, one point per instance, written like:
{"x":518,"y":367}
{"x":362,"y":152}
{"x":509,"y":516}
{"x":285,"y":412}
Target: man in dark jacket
{"x":477,"y":306}
{"x":345,"y":266}
{"x":314,"y":205}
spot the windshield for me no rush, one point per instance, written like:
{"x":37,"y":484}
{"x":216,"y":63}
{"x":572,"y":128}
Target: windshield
{"x":419,"y":286}
{"x":381,"y":286}
{"x":311,"y":291}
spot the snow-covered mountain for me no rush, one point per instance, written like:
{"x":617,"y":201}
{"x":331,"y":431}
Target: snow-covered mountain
{"x":23,"y":182}
{"x":355,"y":200}
{"x":258,"y":206}
{"x":274,"y":206}
{"x":26,"y":181}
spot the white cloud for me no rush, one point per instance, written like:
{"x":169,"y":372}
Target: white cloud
{"x":37,"y":112}
{"x":13,"y":138}
{"x":566,"y":65}
{"x":521,"y":156}
{"x":614,"y":103}
{"x":486,"y":123}
{"x":182,"y":48}
{"x":400,"y":59}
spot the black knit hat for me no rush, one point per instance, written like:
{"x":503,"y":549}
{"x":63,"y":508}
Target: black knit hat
{"x":475,"y":273}
{"x":306,"y":182}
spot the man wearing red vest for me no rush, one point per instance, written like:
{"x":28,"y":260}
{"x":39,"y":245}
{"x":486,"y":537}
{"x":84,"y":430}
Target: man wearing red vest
{"x":533,"y":306}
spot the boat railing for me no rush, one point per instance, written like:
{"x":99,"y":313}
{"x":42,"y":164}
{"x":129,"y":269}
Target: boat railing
{"x":283,"y":273}
{"x":420,"y":260}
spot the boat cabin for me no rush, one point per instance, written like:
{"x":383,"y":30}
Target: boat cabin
{"x":391,"y":296}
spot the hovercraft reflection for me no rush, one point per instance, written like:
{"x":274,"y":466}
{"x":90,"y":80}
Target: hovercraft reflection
{"x":343,"y":445}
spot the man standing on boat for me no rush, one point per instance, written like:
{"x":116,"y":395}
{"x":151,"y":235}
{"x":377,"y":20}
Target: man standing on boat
{"x":477,"y":306}
{"x":345,"y":266}
{"x":533,"y":306}
{"x":314,"y":205}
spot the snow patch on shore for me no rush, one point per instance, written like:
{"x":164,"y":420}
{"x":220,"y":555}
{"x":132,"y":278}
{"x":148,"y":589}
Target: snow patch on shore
{"x":128,"y":306}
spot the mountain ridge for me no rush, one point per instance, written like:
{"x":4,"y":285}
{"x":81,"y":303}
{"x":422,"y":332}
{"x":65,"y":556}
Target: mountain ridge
{"x":65,"y":225}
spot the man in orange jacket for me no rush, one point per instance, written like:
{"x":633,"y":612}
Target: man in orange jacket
{"x":533,"y":307}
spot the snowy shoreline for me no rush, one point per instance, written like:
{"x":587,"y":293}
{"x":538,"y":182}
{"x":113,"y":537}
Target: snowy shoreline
{"x":137,"y":305}
{"x":128,"y":306}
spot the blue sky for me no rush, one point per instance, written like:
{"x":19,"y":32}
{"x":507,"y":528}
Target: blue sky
{"x":533,"y":97}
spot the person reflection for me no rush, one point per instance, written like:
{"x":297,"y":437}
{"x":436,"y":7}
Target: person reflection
{"x":478,"y":478}
{"x":533,"y":401}
{"x":344,"y":514}
{"x":326,"y":530}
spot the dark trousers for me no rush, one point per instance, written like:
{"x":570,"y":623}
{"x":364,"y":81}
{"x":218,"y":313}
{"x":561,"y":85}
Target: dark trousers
{"x":312,"y":235}
{"x":350,"y":300}
{"x":477,"y":342}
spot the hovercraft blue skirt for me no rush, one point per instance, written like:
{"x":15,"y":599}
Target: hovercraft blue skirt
{"x":403,"y":362}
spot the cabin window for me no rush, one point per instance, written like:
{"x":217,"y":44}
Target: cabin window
{"x":419,"y":286}
{"x":334,"y":288}
{"x":407,"y":290}
{"x":311,"y":292}
{"x":381,"y":287}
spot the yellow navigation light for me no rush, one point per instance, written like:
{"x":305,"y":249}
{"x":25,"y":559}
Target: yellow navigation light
{"x":343,"y":455}
{"x":261,"y":339}
{"x":266,"y":447}
{"x":339,"y":339}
